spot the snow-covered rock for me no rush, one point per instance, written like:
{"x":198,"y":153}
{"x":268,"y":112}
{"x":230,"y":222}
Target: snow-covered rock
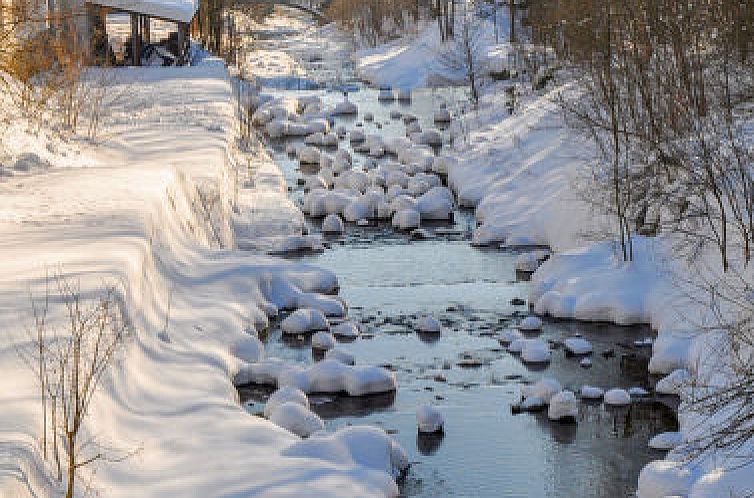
{"x":368,"y":117}
{"x":436,"y":204}
{"x":428,"y":137}
{"x":296,"y":419}
{"x":339,"y":355}
{"x":285,"y":394}
{"x":323,"y":340}
{"x":308,"y":155}
{"x":533,"y":403}
{"x":585,"y":363}
{"x":332,"y":224}
{"x":664,"y":478}
{"x":442,"y":164}
{"x":403,"y":94}
{"x":545,"y":389}
{"x":356,"y":136}
{"x":247,"y":348}
{"x":386,"y":94}
{"x":507,"y":336}
{"x":429,"y":419}
{"x":535,"y":351}
{"x":638,"y":391}
{"x":577,"y":345}
{"x":344,"y":108}
{"x":304,"y":320}
{"x":673,"y":382}
{"x":428,"y":324}
{"x":330,"y":376}
{"x":516,"y":345}
{"x":406,"y":219}
{"x":530,"y":324}
{"x":442,"y":116}
{"x":617,"y":397}
{"x":591,"y":392}
{"x":346,"y":330}
{"x":527,"y":262}
{"x":563,"y":405}
{"x":666,"y":440}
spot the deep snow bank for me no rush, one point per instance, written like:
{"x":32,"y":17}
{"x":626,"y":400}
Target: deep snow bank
{"x":139,"y":221}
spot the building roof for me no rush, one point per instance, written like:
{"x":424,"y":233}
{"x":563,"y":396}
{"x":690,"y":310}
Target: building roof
{"x":169,"y":10}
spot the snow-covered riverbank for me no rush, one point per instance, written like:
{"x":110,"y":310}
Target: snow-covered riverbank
{"x":521,"y":173}
{"x":130,"y":212}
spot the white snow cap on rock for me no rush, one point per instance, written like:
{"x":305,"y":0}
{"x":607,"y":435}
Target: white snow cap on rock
{"x":617,"y":397}
{"x":563,"y":405}
{"x":344,"y":108}
{"x":673,"y":382}
{"x":535,"y":351}
{"x":285,"y":394}
{"x":664,"y":478}
{"x":545,"y":388}
{"x":347,"y":329}
{"x":296,"y":418}
{"x":577,"y":345}
{"x":510,"y":335}
{"x":339,"y":355}
{"x":530,"y":323}
{"x":429,"y":419}
{"x":323,"y":340}
{"x":666,"y":440}
{"x":441,"y":116}
{"x":591,"y":392}
{"x":406,"y":219}
{"x":304,"y":320}
{"x":332,"y":224}
{"x":428,"y":324}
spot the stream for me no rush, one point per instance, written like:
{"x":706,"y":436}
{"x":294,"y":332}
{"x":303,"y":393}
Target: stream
{"x":389,"y":280}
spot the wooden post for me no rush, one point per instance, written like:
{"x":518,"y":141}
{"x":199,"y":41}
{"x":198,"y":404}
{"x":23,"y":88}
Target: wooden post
{"x":182,"y":43}
{"x":135,"y":40}
{"x":146,"y":29}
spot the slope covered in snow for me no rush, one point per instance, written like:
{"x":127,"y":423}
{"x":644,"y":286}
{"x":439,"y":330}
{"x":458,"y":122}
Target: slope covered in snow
{"x":138,"y":218}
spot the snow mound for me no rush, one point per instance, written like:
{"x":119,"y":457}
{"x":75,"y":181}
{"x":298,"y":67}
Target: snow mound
{"x":663,"y":478}
{"x":332,"y":224}
{"x":429,"y":419}
{"x":345,"y":108}
{"x":510,"y":335}
{"x":346,"y":330}
{"x":323,"y":340}
{"x":577,"y":345}
{"x":428,"y":325}
{"x":287,"y":394}
{"x":296,"y":418}
{"x":367,"y":446}
{"x":673,"y":382}
{"x":617,"y":397}
{"x":563,"y":405}
{"x":530,"y":324}
{"x":441,"y":116}
{"x":591,"y":392}
{"x":340,"y":355}
{"x":535,"y":351}
{"x":544,"y":389}
{"x":304,"y":320}
{"x":406,"y":219}
{"x":666,"y":440}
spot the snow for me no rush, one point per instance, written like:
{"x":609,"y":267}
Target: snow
{"x":585,"y":363}
{"x":533,"y":403}
{"x":428,"y":324}
{"x":563,"y":405}
{"x":429,"y":419}
{"x":304,"y":320}
{"x":175,"y":10}
{"x":406,"y":219}
{"x":666,"y":440}
{"x":544,"y":389}
{"x":323,"y":340}
{"x":535,"y":351}
{"x":326,"y":376}
{"x":638,"y":391}
{"x":435,"y":204}
{"x":577,"y":345}
{"x":617,"y":397}
{"x":510,"y":335}
{"x":125,"y":211}
{"x":664,"y":478}
{"x":332,"y":224}
{"x":286,"y":394}
{"x":347,"y":330}
{"x":296,"y":418}
{"x":673,"y":382}
{"x":338,"y":354}
{"x":530,"y":324}
{"x":591,"y":392}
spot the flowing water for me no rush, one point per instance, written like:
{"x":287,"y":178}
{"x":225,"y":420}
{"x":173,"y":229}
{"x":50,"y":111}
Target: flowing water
{"x":389,"y":280}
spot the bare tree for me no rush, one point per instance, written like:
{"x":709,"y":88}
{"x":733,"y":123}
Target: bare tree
{"x":464,"y":54}
{"x":70,"y":363}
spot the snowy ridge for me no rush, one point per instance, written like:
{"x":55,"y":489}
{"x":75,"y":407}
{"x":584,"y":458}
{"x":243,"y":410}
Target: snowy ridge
{"x":191,"y":307}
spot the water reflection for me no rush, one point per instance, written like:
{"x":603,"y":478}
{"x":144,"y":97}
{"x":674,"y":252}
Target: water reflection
{"x":429,"y":443}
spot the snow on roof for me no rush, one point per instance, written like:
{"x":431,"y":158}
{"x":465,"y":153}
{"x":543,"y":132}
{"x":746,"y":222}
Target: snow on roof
{"x":173,"y":10}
